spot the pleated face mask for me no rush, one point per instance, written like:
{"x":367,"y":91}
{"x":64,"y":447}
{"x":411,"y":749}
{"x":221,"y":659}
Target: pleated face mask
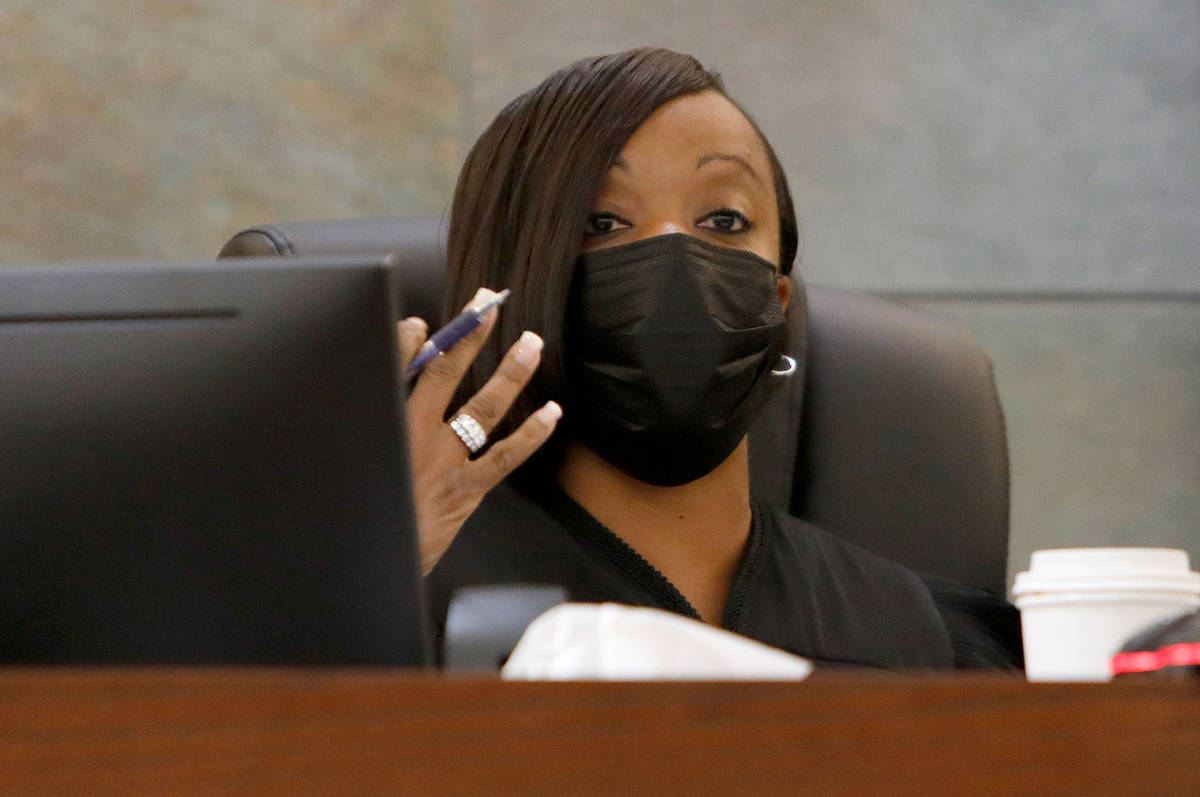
{"x":671,"y":346}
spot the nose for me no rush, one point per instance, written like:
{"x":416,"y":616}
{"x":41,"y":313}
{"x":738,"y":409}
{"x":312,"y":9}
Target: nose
{"x":661,"y":227}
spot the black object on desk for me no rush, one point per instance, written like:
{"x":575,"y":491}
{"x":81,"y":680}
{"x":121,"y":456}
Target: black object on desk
{"x":205,"y":464}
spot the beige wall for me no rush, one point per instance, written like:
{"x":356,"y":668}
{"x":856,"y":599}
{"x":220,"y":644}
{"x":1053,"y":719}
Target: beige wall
{"x":156,"y":128}
{"x":1035,"y":163}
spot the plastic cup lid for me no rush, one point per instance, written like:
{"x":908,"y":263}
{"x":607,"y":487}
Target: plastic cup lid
{"x":1108,"y":569}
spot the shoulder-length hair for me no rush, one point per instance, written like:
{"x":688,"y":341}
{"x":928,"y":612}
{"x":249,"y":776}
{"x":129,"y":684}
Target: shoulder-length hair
{"x":525,"y":192}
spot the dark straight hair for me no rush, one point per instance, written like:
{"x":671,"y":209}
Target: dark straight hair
{"x":525,"y":192}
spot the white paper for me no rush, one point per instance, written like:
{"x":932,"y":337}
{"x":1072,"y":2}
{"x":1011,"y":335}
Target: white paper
{"x":611,"y":642}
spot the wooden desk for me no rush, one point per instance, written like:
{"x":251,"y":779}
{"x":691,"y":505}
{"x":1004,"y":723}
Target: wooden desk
{"x":144,"y":731}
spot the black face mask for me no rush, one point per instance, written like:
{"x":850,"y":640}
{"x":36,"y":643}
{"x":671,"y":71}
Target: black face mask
{"x":671,"y":342}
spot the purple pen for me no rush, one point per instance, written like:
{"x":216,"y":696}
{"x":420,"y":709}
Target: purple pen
{"x":445,"y":338}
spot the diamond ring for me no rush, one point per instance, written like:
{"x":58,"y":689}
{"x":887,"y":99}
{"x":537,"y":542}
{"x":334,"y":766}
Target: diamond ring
{"x":469,"y":431}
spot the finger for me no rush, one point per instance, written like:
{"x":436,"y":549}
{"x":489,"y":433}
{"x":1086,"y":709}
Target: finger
{"x":410,"y":334}
{"x":441,"y":375}
{"x":492,"y":401}
{"x":506,"y":455}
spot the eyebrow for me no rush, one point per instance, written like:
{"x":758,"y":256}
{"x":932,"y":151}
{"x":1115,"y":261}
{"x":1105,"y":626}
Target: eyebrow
{"x":738,"y":159}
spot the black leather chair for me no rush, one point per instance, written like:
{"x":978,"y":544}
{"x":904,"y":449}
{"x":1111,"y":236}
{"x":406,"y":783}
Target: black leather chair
{"x":894,"y":437}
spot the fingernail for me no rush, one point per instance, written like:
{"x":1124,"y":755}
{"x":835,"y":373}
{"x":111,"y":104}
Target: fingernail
{"x":527,"y":348}
{"x":417,"y":324}
{"x":549,"y":413}
{"x":481,"y":297}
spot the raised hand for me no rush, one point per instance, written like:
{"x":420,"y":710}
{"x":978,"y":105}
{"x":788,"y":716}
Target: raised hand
{"x":447,"y":483}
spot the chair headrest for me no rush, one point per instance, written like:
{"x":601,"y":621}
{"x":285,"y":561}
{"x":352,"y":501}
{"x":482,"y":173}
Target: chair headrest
{"x":903,"y":448}
{"x":419,"y":243}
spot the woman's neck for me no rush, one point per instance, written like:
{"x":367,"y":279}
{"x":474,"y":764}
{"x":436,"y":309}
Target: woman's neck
{"x":694,"y":533}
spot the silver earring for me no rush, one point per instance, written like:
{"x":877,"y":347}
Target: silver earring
{"x":789,"y":366}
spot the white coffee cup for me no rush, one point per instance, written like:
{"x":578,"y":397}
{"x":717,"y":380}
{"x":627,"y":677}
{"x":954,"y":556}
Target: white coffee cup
{"x":1079,"y":605}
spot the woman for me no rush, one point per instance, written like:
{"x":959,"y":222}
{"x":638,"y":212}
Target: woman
{"x":646,"y":231}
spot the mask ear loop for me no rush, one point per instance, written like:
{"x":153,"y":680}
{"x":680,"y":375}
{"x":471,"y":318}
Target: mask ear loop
{"x":789,"y":366}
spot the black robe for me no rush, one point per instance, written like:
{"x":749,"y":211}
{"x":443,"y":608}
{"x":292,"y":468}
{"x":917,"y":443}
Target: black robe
{"x":797,"y":587}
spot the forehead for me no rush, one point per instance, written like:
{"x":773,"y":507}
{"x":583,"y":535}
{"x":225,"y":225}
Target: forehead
{"x":696,"y":125}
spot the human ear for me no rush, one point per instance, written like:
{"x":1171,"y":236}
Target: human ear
{"x":784,"y":286}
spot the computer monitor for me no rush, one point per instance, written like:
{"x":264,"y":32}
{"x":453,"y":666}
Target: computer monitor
{"x":205,"y":463}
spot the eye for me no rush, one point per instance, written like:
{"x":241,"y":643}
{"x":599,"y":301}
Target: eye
{"x":726,"y":220}
{"x":604,"y":223}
